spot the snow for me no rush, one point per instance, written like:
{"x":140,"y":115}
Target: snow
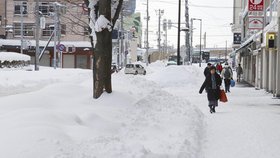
{"x":102,"y":23}
{"x":51,"y":114}
{"x":12,"y":56}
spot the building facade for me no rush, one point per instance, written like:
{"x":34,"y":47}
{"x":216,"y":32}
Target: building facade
{"x":2,"y":18}
{"x":72,"y":24}
{"x":258,"y":52}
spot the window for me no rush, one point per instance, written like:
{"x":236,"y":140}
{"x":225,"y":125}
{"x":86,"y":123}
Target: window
{"x":0,"y":20}
{"x":48,"y":30}
{"x":46,"y":8}
{"x":86,"y":31}
{"x":17,"y":7}
{"x":27,"y":29}
{"x":63,"y":29}
{"x":129,"y":66}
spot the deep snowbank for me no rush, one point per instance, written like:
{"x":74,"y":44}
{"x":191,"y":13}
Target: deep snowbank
{"x":12,"y":56}
{"x":51,"y":114}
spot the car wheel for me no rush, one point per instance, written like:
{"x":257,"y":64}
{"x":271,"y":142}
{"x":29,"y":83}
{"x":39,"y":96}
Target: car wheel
{"x":144,"y":73}
{"x":136,"y":73}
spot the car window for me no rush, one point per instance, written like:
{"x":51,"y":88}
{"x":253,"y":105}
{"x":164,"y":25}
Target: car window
{"x":137,"y":66}
{"x":129,"y":66}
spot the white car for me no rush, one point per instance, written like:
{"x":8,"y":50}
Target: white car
{"x":169,"y":63}
{"x":134,"y":69}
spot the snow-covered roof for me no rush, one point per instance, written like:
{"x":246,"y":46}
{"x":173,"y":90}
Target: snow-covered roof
{"x":12,"y":56}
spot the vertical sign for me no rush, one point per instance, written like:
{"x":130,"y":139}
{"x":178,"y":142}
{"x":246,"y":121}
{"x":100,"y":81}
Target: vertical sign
{"x":237,"y":38}
{"x":256,"y":5}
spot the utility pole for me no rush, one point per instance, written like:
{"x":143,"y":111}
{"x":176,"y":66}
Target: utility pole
{"x":118,"y":55}
{"x":165,"y":29}
{"x":160,"y":13}
{"x":55,"y":36}
{"x":200,"y":53}
{"x":147,"y":34}
{"x":277,"y":94}
{"x":188,"y":48}
{"x":21,"y":27}
{"x":191,"y":44}
{"x":179,"y":33}
{"x":122,"y":36}
{"x":6,"y":32}
{"x":37,"y":36}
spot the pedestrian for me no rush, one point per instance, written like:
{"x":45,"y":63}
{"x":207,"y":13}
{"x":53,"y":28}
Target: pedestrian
{"x":239,"y":72}
{"x":219,"y":68}
{"x":212,"y":85}
{"x":227,"y":76}
{"x":207,"y":70}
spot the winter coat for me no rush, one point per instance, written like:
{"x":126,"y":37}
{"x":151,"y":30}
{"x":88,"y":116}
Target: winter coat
{"x":223,"y":73}
{"x":206,"y":71}
{"x":239,"y":70}
{"x":219,"y":68}
{"x":212,"y":94}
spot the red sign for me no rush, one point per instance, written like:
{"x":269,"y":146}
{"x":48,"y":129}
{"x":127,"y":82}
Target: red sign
{"x":256,"y":5}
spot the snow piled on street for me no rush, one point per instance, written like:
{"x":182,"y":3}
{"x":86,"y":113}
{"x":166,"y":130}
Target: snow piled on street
{"x":51,"y":114}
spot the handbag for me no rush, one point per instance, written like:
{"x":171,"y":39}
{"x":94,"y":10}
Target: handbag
{"x":232,"y":83}
{"x":223,"y":97}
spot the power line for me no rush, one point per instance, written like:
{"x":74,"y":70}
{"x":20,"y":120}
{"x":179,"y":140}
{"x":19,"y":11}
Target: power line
{"x":212,"y":7}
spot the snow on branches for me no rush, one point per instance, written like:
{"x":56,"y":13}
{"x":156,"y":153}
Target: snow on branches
{"x":99,"y":23}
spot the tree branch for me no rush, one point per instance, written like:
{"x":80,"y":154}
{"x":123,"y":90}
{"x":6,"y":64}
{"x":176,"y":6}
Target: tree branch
{"x":118,"y":11}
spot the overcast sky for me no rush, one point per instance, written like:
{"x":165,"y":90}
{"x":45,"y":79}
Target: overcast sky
{"x":216,"y":15}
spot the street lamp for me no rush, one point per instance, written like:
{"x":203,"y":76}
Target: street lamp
{"x":199,"y":40}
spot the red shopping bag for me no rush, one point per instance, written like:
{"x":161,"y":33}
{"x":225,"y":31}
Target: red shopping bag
{"x":223,"y":97}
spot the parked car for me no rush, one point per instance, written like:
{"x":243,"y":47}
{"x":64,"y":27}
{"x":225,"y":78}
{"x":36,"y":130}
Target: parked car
{"x":169,"y":63}
{"x":134,"y":69}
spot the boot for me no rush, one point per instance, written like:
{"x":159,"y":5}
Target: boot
{"x":213,"y":109}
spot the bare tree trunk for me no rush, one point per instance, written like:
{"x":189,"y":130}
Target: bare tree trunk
{"x":102,"y":55}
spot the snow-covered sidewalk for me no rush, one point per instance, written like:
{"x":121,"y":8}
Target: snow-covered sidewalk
{"x":245,"y":127}
{"x":51,"y":114}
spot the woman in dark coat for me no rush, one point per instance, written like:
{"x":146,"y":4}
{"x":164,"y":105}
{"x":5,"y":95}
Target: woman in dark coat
{"x":212,"y":85}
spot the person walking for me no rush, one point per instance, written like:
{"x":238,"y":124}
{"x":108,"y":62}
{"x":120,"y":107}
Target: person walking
{"x":212,"y":85}
{"x":219,"y":68}
{"x":227,"y":76}
{"x":207,"y":69}
{"x":239,"y":71}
